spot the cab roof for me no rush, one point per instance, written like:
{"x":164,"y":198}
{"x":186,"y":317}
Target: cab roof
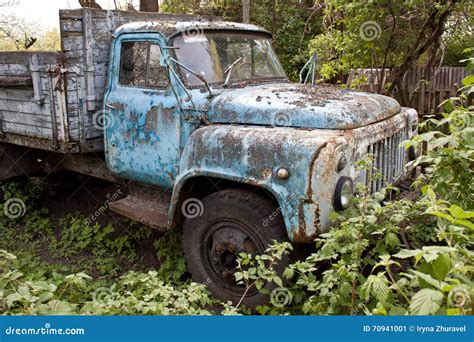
{"x":173,"y":28}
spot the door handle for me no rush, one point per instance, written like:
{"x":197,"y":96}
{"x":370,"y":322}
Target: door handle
{"x":108,"y":105}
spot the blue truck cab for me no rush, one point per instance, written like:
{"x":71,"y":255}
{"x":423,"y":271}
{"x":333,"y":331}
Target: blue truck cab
{"x":204,"y":111}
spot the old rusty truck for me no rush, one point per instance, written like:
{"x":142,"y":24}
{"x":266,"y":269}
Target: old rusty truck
{"x":198,"y":121}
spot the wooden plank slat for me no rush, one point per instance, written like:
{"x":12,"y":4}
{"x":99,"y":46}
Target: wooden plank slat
{"x":27,"y":119}
{"x":424,"y":88}
{"x":27,"y":130}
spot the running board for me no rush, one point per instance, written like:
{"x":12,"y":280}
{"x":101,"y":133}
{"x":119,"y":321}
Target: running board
{"x":146,"y":205}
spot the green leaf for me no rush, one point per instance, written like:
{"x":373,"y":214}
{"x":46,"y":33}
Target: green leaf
{"x":277,"y":280}
{"x":376,"y":285}
{"x":288,"y":273}
{"x":409,"y":253}
{"x":397,"y":311}
{"x":429,"y":279}
{"x":431,"y":194}
{"x":426,"y":302}
{"x":468,"y":80}
{"x":459,"y":213}
{"x":391,"y":240}
{"x":454,"y":312}
{"x":238,"y":276}
{"x":441,"y":266}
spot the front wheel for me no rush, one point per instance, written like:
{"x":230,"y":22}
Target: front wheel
{"x":233,"y":221}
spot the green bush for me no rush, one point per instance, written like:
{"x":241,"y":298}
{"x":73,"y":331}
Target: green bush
{"x":402,"y":257}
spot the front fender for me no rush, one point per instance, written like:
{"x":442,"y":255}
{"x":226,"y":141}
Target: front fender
{"x":253,"y":155}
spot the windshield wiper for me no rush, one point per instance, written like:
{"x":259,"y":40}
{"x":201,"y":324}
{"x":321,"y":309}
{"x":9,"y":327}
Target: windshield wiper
{"x":229,"y":69}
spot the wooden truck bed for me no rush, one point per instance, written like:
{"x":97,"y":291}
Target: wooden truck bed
{"x":48,"y":99}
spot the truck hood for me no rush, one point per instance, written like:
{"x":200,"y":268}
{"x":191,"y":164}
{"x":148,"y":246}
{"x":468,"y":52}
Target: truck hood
{"x":296,"y":105}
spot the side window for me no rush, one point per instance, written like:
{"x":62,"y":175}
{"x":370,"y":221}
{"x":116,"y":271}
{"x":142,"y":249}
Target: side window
{"x":140,"y":65}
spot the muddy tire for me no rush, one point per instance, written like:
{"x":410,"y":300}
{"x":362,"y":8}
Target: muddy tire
{"x":231,"y":222}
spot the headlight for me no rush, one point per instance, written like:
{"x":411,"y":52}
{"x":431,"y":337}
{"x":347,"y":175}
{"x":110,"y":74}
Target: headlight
{"x":341,"y":164}
{"x":343,"y":193}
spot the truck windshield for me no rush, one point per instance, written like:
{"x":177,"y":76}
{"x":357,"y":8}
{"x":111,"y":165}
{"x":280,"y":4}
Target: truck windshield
{"x":239,"y":57}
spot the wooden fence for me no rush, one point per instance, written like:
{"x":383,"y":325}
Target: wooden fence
{"x":424,"y":89}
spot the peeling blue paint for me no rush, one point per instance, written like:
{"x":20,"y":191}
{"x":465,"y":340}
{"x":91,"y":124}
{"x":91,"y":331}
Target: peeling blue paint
{"x":301,"y":106}
{"x":245,"y":134}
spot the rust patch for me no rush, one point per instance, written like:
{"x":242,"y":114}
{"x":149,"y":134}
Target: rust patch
{"x":267,"y":173}
{"x":300,"y":236}
{"x":309,"y":192}
{"x":317,"y":222}
{"x":167,"y":114}
{"x":316,"y":96}
{"x":301,"y":220}
{"x":118,"y":106}
{"x":151,"y":120}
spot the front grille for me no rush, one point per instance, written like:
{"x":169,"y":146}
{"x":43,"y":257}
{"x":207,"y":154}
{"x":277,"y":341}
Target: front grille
{"x":388,"y":162}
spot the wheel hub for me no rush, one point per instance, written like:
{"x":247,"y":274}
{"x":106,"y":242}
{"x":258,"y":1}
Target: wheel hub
{"x":225,"y":241}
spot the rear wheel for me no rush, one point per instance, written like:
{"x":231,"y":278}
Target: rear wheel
{"x":233,"y":221}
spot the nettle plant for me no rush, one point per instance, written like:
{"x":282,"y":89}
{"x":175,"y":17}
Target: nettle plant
{"x":42,"y":289}
{"x":73,"y":266}
{"x":396,"y":258}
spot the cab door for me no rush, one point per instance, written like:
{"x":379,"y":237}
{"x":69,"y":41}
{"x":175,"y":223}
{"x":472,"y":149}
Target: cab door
{"x":142,"y":120}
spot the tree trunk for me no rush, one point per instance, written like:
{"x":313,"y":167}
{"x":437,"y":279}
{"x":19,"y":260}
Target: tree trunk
{"x":273,"y":16}
{"x":429,"y":34}
{"x":149,"y":6}
{"x":246,"y":11}
{"x":89,"y":4}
